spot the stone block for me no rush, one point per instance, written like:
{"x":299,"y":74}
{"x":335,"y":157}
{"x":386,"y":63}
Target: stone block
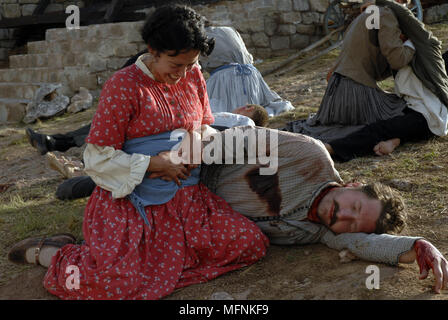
{"x":11,"y":11}
{"x":255,"y":25}
{"x":4,"y":53}
{"x":223,"y":15}
{"x":64,"y":46}
{"x":270,"y":25}
{"x":5,"y":34}
{"x":269,"y":3}
{"x":64,"y":34}
{"x":97,"y":64}
{"x":247,"y":39}
{"x":436,"y":14}
{"x":126,"y":50}
{"x":311,"y":18}
{"x":306,"y":29}
{"x":262,"y":53}
{"x":76,"y":78}
{"x":141,"y":46}
{"x":290,"y":17}
{"x":300,"y":41}
{"x":12,"y":112}
{"x":286,"y":29}
{"x":105,"y":49}
{"x":28,"y":9}
{"x":54,"y":7}
{"x":17,"y":91}
{"x":280,"y":42}
{"x":284,"y":5}
{"x":301,"y":5}
{"x":116,"y":63}
{"x":260,"y":40}
{"x":235,"y":7}
{"x":37,"y":46}
{"x":319,"y":5}
{"x":9,"y":44}
{"x":241,"y":26}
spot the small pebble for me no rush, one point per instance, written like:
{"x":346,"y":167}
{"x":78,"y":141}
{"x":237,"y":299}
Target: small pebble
{"x":222,"y":295}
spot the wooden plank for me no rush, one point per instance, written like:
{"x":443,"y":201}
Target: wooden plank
{"x":112,"y":11}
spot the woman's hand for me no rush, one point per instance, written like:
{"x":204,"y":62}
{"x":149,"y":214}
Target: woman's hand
{"x":162,"y":166}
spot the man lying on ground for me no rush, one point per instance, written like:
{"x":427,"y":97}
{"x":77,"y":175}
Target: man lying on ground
{"x":303,"y":200}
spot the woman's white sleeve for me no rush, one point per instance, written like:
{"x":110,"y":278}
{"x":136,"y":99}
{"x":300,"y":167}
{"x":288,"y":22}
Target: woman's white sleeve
{"x":115,"y":170}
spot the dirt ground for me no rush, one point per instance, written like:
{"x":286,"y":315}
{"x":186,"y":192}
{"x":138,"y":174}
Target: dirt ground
{"x":309,"y":272}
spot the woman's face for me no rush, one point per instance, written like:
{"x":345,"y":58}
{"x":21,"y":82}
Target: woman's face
{"x":170,"y":69}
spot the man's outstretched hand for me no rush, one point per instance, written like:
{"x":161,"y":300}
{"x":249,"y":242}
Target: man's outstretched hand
{"x":428,"y":257}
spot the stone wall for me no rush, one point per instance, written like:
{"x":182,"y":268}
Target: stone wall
{"x":267,"y":26}
{"x":20,"y":8}
{"x":436,"y":14}
{"x":271,"y":27}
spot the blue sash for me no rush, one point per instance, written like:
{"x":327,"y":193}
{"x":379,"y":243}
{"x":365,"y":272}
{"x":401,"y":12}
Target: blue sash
{"x":241,"y":70}
{"x":156,"y":191}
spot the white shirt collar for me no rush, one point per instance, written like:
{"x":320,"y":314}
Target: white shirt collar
{"x":142,"y":66}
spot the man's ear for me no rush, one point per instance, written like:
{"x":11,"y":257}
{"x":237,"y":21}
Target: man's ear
{"x":354,"y":184}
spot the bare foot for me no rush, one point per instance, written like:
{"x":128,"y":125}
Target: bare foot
{"x":386,"y":147}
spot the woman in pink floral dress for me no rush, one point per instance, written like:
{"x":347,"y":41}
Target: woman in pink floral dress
{"x":146,"y":236}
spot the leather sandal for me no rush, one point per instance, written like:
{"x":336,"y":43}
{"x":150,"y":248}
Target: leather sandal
{"x":17,"y":254}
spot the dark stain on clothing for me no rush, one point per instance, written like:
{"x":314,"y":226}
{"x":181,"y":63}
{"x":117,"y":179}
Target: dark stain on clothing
{"x":311,"y":172}
{"x":267,"y":188}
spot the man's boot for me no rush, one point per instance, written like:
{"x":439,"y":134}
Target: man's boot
{"x":38,"y":141}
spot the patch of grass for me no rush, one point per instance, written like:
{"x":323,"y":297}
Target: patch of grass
{"x":36,"y":211}
{"x":387,"y":85}
{"x":19,"y":142}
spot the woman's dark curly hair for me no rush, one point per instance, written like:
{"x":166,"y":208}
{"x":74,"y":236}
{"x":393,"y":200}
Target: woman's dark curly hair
{"x":177,"y":28}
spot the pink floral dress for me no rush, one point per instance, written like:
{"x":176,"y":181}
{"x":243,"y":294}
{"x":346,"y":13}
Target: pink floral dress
{"x":194,"y":237}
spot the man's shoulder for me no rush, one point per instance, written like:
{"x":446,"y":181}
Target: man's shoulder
{"x":387,"y":13}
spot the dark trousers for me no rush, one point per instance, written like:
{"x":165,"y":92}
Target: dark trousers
{"x":63,"y":142}
{"x":412,"y":126}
